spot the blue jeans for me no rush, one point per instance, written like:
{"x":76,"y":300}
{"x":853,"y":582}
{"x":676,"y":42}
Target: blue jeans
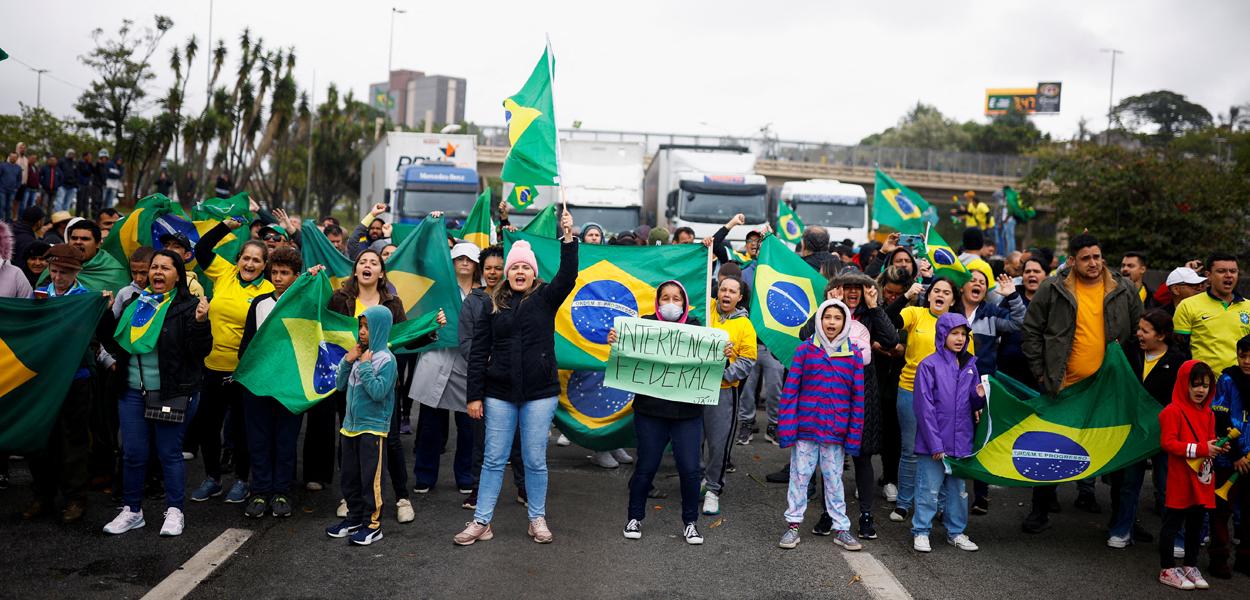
{"x":1009,"y":237}
{"x":6,"y":205}
{"x":110,"y":197}
{"x":654,"y":434}
{"x":28,"y":196}
{"x":1126,"y":492}
{"x":932,"y":481}
{"x":907,"y":460}
{"x":431,"y":439}
{"x":138,"y":437}
{"x":65,"y":198}
{"x":502,"y":419}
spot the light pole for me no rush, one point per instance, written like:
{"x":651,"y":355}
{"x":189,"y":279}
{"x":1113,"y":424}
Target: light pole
{"x":39,"y":87}
{"x":1106,"y":136}
{"x":390,"y":45}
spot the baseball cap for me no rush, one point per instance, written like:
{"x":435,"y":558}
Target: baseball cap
{"x":178,"y":238}
{"x":1184,"y":275}
{"x":65,"y":255}
{"x":754,"y":233}
{"x":272,"y":229}
{"x":466,"y":249}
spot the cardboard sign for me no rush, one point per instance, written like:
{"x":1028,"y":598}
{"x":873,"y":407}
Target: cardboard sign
{"x":670,"y":361}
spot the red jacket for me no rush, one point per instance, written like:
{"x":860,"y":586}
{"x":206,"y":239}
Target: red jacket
{"x":1185,"y":430}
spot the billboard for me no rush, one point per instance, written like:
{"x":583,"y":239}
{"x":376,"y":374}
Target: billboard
{"x":1048,"y":97}
{"x":1043,"y":99}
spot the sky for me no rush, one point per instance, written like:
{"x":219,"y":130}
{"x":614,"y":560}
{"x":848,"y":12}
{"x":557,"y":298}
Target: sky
{"x":822,"y":71}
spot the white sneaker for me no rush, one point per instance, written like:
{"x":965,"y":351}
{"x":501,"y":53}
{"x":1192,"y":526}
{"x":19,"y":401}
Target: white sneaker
{"x":563,"y":441}
{"x":1178,"y":552}
{"x":622,"y":456}
{"x":891,"y":492}
{"x":341,"y":511}
{"x":604,"y":459}
{"x":962,"y":542}
{"x":313,"y":486}
{"x":125,"y":521}
{"x":711,"y":504}
{"x":1119,"y":542}
{"x":920,"y":543}
{"x":404,"y":512}
{"x":188,"y":455}
{"x":174,"y":522}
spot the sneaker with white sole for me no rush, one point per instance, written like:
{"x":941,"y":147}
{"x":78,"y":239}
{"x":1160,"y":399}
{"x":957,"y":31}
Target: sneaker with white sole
{"x":1118,"y":542}
{"x":125,"y":521}
{"x":622,"y":456}
{"x":711,"y":504}
{"x":314,"y":486}
{"x":920,"y":543}
{"x":790,"y":538}
{"x":174,"y":522}
{"x":963,"y":542}
{"x":342,"y":529}
{"x":1175,"y":577}
{"x":563,"y":441}
{"x":1178,"y":552}
{"x":365,"y":536}
{"x":209,"y":488}
{"x":1195,"y":577}
{"x":891,"y":492}
{"x":605,"y":460}
{"x":473,"y":531}
{"x":848,"y":541}
{"x":238,"y":492}
{"x":692,"y":535}
{"x":899,"y":515}
{"x":539,"y":531}
{"x":633,"y":529}
{"x":341,"y":511}
{"x":404,"y":512}
{"x":188,"y":456}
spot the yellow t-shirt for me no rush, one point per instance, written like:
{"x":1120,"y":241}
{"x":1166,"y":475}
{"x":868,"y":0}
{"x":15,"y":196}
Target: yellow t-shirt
{"x":1149,"y":366}
{"x":227,"y":312}
{"x":921,"y":327}
{"x":742,"y":336}
{"x":1213,"y":328}
{"x":1089,"y":343}
{"x":978,"y":215}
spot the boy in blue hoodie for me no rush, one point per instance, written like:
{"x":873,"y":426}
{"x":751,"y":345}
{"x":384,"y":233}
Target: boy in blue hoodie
{"x":1232,"y":410}
{"x":367,"y":373}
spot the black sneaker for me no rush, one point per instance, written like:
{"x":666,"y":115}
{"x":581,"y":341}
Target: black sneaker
{"x":780,"y":476}
{"x":280,"y":507}
{"x":227,"y":460}
{"x":1053,"y":506}
{"x":867,"y":529}
{"x":1088,"y":503}
{"x":980,"y":506}
{"x":744,"y":434}
{"x":1036,"y":522}
{"x":731,"y":468}
{"x":522,"y":497}
{"x":256,"y":508}
{"x":824,"y":526}
{"x":770,"y":434}
{"x":633,"y":529}
{"x":470,"y":501}
{"x":900,"y":515}
{"x":1141,"y":535}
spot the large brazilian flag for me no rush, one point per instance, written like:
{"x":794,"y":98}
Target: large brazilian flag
{"x":530,"y":116}
{"x":895,"y":205}
{"x":41,"y":345}
{"x":316,"y":249}
{"x":784,"y":294}
{"x":592,"y":415}
{"x":1098,"y":425}
{"x":424,"y":279}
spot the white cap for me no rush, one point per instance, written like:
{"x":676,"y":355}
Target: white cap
{"x":468,"y":249}
{"x":1184,"y":275}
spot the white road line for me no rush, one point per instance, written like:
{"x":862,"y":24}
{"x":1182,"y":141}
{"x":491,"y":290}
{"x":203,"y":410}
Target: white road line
{"x":199,"y":567}
{"x":876,"y":579}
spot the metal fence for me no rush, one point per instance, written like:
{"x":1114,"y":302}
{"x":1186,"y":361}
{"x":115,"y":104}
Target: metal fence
{"x":976,"y":163}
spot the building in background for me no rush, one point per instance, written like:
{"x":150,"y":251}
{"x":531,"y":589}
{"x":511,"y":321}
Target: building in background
{"x":410,"y":97}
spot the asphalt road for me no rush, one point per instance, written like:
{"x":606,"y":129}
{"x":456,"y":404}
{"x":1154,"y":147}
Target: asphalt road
{"x":292,"y":558}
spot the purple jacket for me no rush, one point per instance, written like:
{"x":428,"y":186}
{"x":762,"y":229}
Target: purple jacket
{"x":946,"y":396}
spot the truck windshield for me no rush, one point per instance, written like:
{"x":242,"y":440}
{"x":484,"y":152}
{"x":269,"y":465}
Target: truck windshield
{"x":613,"y":220}
{"x":418,"y":203}
{"x":831,"y":215}
{"x":718,"y":208}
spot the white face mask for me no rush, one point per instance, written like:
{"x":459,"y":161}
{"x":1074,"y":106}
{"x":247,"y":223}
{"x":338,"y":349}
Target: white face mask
{"x":671,"y":311}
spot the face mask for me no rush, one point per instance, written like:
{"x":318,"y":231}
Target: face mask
{"x":671,"y":311}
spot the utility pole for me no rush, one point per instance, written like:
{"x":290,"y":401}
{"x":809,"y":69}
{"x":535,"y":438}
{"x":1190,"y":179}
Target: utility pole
{"x":39,"y":87}
{"x":390,"y":45}
{"x":1106,"y":136}
{"x":312,"y":122}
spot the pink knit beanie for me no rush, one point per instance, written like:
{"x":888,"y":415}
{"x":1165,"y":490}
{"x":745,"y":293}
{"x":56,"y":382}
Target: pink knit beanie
{"x":521,"y":253}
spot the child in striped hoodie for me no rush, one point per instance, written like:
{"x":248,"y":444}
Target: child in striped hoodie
{"x":820,"y":417}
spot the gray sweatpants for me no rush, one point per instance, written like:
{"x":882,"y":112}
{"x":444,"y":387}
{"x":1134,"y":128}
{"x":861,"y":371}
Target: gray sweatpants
{"x":770,"y":370}
{"x":719,"y":426}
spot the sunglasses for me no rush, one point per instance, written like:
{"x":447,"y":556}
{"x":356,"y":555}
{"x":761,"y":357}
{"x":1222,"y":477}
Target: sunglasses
{"x":273,"y":237}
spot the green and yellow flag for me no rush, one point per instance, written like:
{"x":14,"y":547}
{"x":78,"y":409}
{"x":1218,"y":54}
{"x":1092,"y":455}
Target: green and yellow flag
{"x":545,"y":223}
{"x":522,"y":196}
{"x":101,"y":273}
{"x":945,"y":260}
{"x":140,"y":324}
{"x":1098,"y":425}
{"x":207,"y":214}
{"x":316,"y":249}
{"x":785,"y":293}
{"x":41,"y":346}
{"x":789,"y":225}
{"x":613,"y":281}
{"x":1016,"y":208}
{"x":530,"y":116}
{"x":423,"y":276}
{"x":592,"y":415}
{"x":896,"y":206}
{"x":478,"y":225}
{"x":142,"y":227}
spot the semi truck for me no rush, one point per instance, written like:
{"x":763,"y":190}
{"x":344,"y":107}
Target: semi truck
{"x":602,"y":184}
{"x":435,"y":185}
{"x":702,"y":187}
{"x":841,"y":208}
{"x":383,"y":166}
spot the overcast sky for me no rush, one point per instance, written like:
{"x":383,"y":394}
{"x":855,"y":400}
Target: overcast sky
{"x":821,"y":70}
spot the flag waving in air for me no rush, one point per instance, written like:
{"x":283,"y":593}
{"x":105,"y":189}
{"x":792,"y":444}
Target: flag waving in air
{"x":477,"y":226}
{"x":544,"y":223}
{"x":522,"y":196}
{"x":421,"y":271}
{"x":789,"y":225}
{"x":945,"y":260}
{"x":206,"y":214}
{"x":1098,"y":425}
{"x":784,"y":294}
{"x":1016,"y":208}
{"x":316,"y":249}
{"x":612,"y":281}
{"x":896,"y":206}
{"x":530,"y":115}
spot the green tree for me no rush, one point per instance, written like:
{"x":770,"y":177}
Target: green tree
{"x":1011,"y":133}
{"x":123,"y":67}
{"x":924,"y":127}
{"x":44,"y":134}
{"x":1168,"y":113}
{"x":342,"y":134}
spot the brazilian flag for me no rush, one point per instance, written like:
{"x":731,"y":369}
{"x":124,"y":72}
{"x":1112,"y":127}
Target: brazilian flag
{"x":207,"y":214}
{"x":784,"y":294}
{"x":477,"y":226}
{"x":1098,"y":425}
{"x":423,"y":276}
{"x":1016,"y":208}
{"x":530,"y":116}
{"x":613,"y":281}
{"x":789,"y":225}
{"x":152,"y":217}
{"x":316,"y":249}
{"x":895,"y":206}
{"x":592,"y":415}
{"x":945,"y":260}
{"x":522,"y":196}
{"x":545,"y":223}
{"x":41,"y":346}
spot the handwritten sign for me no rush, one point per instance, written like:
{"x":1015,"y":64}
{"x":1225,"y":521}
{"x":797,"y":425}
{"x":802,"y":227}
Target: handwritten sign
{"x":670,"y":361}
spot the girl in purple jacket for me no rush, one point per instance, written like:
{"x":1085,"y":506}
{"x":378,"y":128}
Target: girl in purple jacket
{"x":948,"y":401}
{"x":820,"y":416}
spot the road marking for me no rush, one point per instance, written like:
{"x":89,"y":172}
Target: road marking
{"x":876,"y":579}
{"x":181,"y":582}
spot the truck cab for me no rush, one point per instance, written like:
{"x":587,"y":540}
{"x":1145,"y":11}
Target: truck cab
{"x":841,"y":208}
{"x":702,"y":187}
{"x":434,"y":185}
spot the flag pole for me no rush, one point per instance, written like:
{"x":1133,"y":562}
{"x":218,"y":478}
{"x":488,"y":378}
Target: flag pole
{"x":551,"y":76}
{"x":708,"y":296}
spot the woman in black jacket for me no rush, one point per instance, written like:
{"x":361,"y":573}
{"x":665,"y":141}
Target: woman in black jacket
{"x":169,"y":364}
{"x":512,"y":378}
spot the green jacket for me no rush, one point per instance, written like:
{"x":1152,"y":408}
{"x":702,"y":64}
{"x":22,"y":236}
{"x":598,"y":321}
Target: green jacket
{"x":1050,"y":323}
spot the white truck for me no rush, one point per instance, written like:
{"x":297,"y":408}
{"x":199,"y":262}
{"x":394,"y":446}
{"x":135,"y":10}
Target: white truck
{"x":702,"y":187}
{"x":602,"y":184}
{"x":841,"y":208}
{"x":397,"y":150}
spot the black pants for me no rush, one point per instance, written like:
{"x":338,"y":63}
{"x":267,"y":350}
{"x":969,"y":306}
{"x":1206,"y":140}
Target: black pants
{"x":272,"y":431}
{"x":407,"y":364}
{"x":654,"y":434}
{"x":105,"y":456}
{"x":361,"y":478}
{"x":479,"y":448}
{"x":432,"y":437}
{"x":319,"y":438}
{"x":395,"y":465}
{"x":62,"y":465}
{"x":219,"y":393}
{"x":1221,"y":542}
{"x":1173,"y":519}
{"x":891,"y":433}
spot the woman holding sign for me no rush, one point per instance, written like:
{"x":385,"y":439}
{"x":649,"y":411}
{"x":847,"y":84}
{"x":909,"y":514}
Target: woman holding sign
{"x":513,"y":380}
{"x":659,"y":422}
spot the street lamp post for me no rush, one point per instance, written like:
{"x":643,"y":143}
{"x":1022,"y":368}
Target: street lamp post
{"x":39,"y":87}
{"x":1106,"y":136}
{"x":390,"y":45}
